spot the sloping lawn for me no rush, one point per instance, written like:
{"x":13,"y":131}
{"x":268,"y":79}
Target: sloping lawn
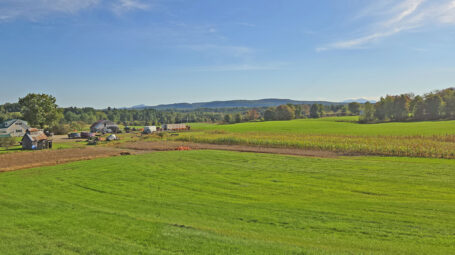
{"x":216,"y":202}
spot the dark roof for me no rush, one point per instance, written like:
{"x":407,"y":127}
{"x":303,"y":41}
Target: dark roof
{"x":107,"y":122}
{"x":8,"y":123}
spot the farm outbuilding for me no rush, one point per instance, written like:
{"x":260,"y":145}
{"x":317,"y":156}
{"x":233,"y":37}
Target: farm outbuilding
{"x":14,"y":128}
{"x":104,"y":126}
{"x":35,"y":139}
{"x":174,"y":127}
{"x":149,"y":129}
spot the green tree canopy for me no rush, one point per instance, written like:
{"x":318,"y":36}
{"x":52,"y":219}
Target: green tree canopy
{"x":269,"y":114}
{"x":315,"y":111}
{"x":354,"y":108}
{"x":433,"y":104}
{"x":40,"y":110}
{"x":285,"y":112}
{"x":228,"y":118}
{"x":368,"y":113}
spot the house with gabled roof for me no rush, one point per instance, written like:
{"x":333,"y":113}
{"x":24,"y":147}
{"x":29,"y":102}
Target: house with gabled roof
{"x":14,"y":128}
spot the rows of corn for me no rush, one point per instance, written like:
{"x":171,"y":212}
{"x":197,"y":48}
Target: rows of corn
{"x":436,"y":146}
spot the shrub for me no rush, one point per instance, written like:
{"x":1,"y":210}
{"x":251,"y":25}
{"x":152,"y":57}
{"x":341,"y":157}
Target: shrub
{"x":60,"y":129}
{"x":7,"y":142}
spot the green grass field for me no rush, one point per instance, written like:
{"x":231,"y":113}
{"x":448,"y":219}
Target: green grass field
{"x":214,"y":202}
{"x":337,"y":126}
{"x":434,"y":139}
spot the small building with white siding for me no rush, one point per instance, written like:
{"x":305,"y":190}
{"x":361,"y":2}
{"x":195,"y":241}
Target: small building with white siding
{"x":149,"y":129}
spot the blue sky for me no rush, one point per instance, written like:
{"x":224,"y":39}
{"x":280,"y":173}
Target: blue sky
{"x":119,"y":53}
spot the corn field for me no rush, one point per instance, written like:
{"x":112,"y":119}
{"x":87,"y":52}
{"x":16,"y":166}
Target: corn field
{"x":436,"y":146}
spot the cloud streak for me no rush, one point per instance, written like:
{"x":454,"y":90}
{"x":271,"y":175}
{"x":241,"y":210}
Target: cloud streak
{"x":395,"y":18}
{"x":122,"y":6}
{"x":35,"y":9}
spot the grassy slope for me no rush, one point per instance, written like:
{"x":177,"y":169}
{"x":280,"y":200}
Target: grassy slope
{"x":337,"y":126}
{"x":214,"y":202}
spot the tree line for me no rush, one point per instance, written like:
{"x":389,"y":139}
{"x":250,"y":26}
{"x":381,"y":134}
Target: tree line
{"x":436,"y":105}
{"x":41,"y":110}
{"x":291,"y":111}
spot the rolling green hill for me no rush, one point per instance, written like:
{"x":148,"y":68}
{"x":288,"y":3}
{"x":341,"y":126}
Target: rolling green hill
{"x":213,"y":202}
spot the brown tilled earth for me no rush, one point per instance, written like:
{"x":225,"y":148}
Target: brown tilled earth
{"x":166,"y":145}
{"x":29,"y":159}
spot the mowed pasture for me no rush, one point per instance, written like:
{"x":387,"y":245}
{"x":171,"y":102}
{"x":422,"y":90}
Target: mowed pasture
{"x":218,"y":202}
{"x":338,"y":126}
{"x":435,"y":139}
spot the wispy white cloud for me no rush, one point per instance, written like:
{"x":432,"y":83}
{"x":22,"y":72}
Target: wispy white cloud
{"x":405,"y":9}
{"x":393,"y":18}
{"x":122,"y":6}
{"x":35,"y":9}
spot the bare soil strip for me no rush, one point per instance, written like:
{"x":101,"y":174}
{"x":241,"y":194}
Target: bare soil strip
{"x":29,"y":159}
{"x":167,"y":145}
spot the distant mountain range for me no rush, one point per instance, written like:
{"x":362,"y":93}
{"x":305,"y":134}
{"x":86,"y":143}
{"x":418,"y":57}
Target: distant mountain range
{"x":240,"y":103}
{"x":359,"y":100}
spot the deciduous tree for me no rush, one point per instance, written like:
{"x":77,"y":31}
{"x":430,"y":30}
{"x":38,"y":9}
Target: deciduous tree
{"x":284,"y":112}
{"x":315,"y":111}
{"x":40,"y":110}
{"x":354,"y":108}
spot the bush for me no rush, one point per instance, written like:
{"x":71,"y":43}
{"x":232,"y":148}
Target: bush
{"x":7,"y":142}
{"x":60,"y":129}
{"x":162,"y":134}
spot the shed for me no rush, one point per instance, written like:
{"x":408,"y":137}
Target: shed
{"x":149,"y":129}
{"x":35,"y":139}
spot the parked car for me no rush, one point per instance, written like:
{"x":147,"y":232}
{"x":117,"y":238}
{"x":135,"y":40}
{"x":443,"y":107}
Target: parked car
{"x":74,"y":136}
{"x":87,"y":134}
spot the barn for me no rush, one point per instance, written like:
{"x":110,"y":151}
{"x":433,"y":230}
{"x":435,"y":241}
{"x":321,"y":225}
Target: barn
{"x":175,"y":127}
{"x":15,"y":128}
{"x":35,"y":139}
{"x":104,"y":126}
